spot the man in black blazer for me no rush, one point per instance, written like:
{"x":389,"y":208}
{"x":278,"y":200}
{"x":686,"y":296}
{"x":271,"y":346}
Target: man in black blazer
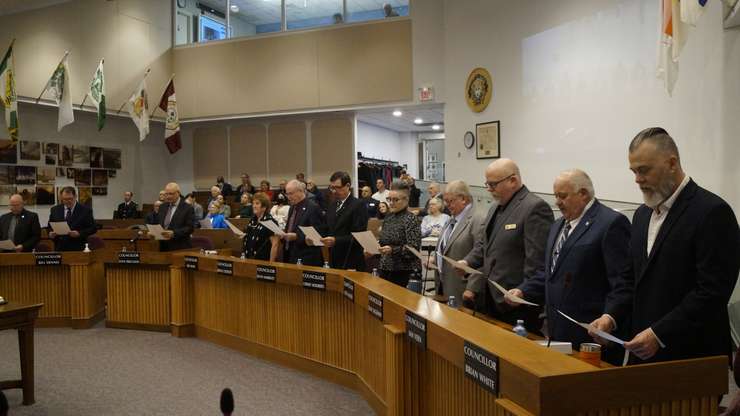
{"x":176,"y":217}
{"x":20,"y":226}
{"x":128,"y":208}
{"x":686,"y":254}
{"x":588,"y":270}
{"x":303,"y":212}
{"x":345,"y":216}
{"x":78,"y":217}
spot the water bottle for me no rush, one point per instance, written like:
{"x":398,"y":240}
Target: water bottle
{"x":243,"y":256}
{"x":375,"y":272}
{"x":299,"y":262}
{"x":452,"y":302}
{"x":87,"y":249}
{"x":326,"y":265}
{"x":202,"y":251}
{"x":519,"y":329}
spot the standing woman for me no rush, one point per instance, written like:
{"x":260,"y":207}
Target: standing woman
{"x":259,"y":242}
{"x":400,"y":228}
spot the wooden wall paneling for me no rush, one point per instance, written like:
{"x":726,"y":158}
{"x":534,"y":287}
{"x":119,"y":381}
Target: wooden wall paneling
{"x":248,"y":144}
{"x":51,"y":287}
{"x":138,"y":297}
{"x":394,"y":397}
{"x":209,"y":153}
{"x":286,"y":142}
{"x":331,"y":148}
{"x":181,"y":287}
{"x":87,"y":294}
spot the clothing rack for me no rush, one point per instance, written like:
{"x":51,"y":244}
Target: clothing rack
{"x":361,"y":158}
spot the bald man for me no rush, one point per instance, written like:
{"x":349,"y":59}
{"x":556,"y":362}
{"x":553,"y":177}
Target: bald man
{"x":303,"y":212}
{"x":176,"y":217}
{"x":510,"y":247}
{"x":20,"y":226}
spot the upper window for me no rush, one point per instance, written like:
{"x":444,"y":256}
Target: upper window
{"x":304,"y":14}
{"x":362,"y":10}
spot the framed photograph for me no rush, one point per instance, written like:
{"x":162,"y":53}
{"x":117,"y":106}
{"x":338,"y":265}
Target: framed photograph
{"x":50,"y":159}
{"x":99,"y":177}
{"x":81,"y":154}
{"x":100,"y":191}
{"x":45,"y":195}
{"x":111,"y":173}
{"x":51,"y":149}
{"x":8,"y":152}
{"x":488,"y":140}
{"x":112,"y":158}
{"x":84,"y":196}
{"x":83,"y":177}
{"x":30,"y":150}
{"x":6,"y":191}
{"x":25,"y":175}
{"x":28,"y":193}
{"x":65,"y":155}
{"x":96,"y":157}
{"x":7,"y":175}
{"x":45,"y":175}
{"x":70,"y":173}
{"x":61,"y":173}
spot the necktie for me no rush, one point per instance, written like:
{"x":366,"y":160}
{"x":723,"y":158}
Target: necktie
{"x":559,"y":246}
{"x":339,"y":205}
{"x":448,"y":233}
{"x":168,"y":217}
{"x":67,"y":214}
{"x":11,"y":228}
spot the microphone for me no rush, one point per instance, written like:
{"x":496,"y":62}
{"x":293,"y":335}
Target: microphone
{"x":227,"y":402}
{"x":138,"y":235}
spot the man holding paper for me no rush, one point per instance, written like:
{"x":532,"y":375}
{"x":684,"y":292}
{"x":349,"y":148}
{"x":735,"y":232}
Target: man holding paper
{"x":176,"y":217}
{"x":77,"y":218}
{"x":303,"y":213}
{"x":20,"y":227}
{"x":588,"y":274}
{"x":343,"y":217}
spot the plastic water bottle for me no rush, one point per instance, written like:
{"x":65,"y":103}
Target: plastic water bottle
{"x":519,"y":329}
{"x":326,"y":265}
{"x":375,"y":272}
{"x":452,"y":302}
{"x":87,"y":249}
{"x":243,"y":256}
{"x":299,"y":262}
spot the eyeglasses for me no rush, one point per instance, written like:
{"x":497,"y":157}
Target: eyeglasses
{"x":494,"y":184}
{"x":333,"y":188}
{"x":394,"y":200}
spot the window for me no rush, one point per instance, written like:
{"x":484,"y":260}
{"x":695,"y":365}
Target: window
{"x":304,"y":14}
{"x":210,"y":29}
{"x":363,"y":10}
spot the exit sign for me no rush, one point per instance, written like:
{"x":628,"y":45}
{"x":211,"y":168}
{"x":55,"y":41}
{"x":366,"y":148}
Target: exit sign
{"x":426,"y":94}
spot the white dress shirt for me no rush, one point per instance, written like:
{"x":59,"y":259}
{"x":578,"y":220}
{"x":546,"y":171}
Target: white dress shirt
{"x":381,"y":196}
{"x":660,"y":213}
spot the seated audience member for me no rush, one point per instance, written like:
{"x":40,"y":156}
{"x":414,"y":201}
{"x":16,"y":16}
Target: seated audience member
{"x":246,"y":186}
{"x":225,"y":207}
{"x":215,"y":192}
{"x":432,"y":224}
{"x":265,"y":189}
{"x":303,"y":213}
{"x":128,"y":208}
{"x":301,"y":177}
{"x":382,"y":193}
{"x":246,"y":210}
{"x":79,"y":218}
{"x":259,"y":242}
{"x":197,"y":208}
{"x":161,"y":196}
{"x":414,"y":192}
{"x":370,"y":204}
{"x":176,"y":217}
{"x":337,"y":17}
{"x":388,"y":10}
{"x":152,"y":217}
{"x":223,"y":186}
{"x":281,"y":191}
{"x":434,"y":190}
{"x":280,"y":210}
{"x":216,"y":216}
{"x":20,"y":226}
{"x":312,"y":191}
{"x":382,"y":210}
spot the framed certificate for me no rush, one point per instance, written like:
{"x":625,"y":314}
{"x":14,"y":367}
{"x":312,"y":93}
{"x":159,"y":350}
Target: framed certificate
{"x":488,"y":140}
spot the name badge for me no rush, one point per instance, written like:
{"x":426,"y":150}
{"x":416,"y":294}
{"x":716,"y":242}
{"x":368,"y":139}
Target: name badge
{"x":510,"y":227}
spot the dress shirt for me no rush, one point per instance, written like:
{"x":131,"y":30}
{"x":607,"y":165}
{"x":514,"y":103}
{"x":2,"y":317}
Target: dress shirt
{"x":457,"y":218}
{"x":661,"y":212}
{"x":573,"y":223}
{"x":381,"y":196}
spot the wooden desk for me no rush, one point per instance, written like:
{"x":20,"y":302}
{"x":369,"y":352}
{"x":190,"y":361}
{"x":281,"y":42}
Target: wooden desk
{"x":115,"y":239}
{"x":21,"y":316}
{"x":73,"y":293}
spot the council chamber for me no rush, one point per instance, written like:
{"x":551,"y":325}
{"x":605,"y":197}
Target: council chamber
{"x":366,"y":207}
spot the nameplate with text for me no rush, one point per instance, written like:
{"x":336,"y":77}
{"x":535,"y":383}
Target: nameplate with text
{"x":375,"y":305}
{"x":129,"y":257}
{"x":416,"y":329}
{"x":191,"y":262}
{"x":314,"y":280}
{"x":48,"y":259}
{"x":225,"y":267}
{"x":481,"y":366}
{"x":349,"y":289}
{"x":267,"y":273}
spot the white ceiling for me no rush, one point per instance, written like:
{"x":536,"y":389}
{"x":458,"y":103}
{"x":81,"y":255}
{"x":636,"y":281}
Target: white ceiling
{"x":17,"y":6}
{"x":430,"y":114}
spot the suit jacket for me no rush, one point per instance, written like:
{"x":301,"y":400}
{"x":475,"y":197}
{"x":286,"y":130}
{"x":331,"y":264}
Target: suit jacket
{"x":127,"y":211}
{"x":460,"y":243}
{"x":307,"y":213}
{"x":683,"y":286}
{"x":346,"y":253}
{"x":592,"y":276}
{"x":27,"y":229}
{"x":515,"y":250}
{"x":181,"y":223}
{"x":80,"y":220}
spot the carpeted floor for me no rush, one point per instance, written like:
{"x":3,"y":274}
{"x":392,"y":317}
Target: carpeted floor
{"x":104,"y":371}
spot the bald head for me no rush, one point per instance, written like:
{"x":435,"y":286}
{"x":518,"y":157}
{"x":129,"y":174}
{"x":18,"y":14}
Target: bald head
{"x":172,"y":192}
{"x":295,"y":190}
{"x":578,"y":180}
{"x":503,"y":180}
{"x":16,"y":204}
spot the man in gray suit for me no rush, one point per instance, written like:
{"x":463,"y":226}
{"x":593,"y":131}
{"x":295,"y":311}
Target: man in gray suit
{"x":456,"y":240}
{"x":510,"y":247}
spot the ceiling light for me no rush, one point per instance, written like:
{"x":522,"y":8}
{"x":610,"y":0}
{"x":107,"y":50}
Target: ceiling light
{"x":234,"y":8}
{"x":418,"y":120}
{"x":436,"y":127}
{"x":397,"y":113}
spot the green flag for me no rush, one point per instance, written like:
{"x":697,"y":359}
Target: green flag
{"x":97,"y":94}
{"x":7,"y":94}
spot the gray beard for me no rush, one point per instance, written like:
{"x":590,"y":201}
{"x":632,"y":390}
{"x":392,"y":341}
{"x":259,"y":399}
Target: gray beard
{"x":664,"y":191}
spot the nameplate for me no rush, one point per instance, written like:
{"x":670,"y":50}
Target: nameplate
{"x":48,"y":259}
{"x":267,"y":273}
{"x":349,"y":289}
{"x":375,"y":305}
{"x":225,"y":267}
{"x":314,"y":280}
{"x":129,"y":257}
{"x":416,"y":329}
{"x":481,"y":366}
{"x":191,"y":262}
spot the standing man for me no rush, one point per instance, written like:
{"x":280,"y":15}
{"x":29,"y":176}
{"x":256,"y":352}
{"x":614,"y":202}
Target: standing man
{"x":78,"y":217}
{"x":457,"y":240}
{"x":303,"y":212}
{"x":511,"y":246}
{"x":224,"y":187}
{"x":20,"y":226}
{"x":176,"y":217}
{"x":347,"y":215}
{"x":588,"y":270}
{"x":382,"y":193}
{"x":246,"y":186}
{"x":127,"y":209}
{"x":686,"y":254}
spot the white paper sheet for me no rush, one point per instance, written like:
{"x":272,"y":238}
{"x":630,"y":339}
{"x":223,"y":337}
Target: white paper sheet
{"x":598,"y":332}
{"x":206,"y":224}
{"x":7,"y":245}
{"x":368,"y":241}
{"x":424,"y":261}
{"x":156,"y":230}
{"x":511,"y":297}
{"x":460,"y":266}
{"x":239,"y":233}
{"x":273,"y":227}
{"x":311,"y":233}
{"x":60,"y":227}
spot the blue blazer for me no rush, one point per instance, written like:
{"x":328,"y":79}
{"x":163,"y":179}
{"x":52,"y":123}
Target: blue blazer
{"x":593,"y":275}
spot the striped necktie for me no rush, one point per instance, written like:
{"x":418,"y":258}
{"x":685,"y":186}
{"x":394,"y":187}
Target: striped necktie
{"x":559,"y":246}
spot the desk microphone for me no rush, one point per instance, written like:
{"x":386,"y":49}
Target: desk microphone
{"x":135,"y":239}
{"x":227,"y":402}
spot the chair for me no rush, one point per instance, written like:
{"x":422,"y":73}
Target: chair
{"x":42,"y":248}
{"x":199,"y":241}
{"x":95,"y":243}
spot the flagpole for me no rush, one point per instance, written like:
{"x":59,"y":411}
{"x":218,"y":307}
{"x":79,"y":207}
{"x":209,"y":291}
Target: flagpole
{"x":82,"y":104}
{"x":165,"y":87}
{"x":47,"y":83}
{"x":124,"y":103}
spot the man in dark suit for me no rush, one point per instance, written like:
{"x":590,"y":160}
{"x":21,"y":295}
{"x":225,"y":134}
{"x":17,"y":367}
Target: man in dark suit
{"x":345,"y":216}
{"x":303,"y":212}
{"x":153,"y":216}
{"x":686,"y":253}
{"x":588,"y":270}
{"x":225,"y":187}
{"x":176,"y":217}
{"x":78,"y":217}
{"x":128,"y":208}
{"x":510,"y":247}
{"x":246,"y":186}
{"x":20,"y":226}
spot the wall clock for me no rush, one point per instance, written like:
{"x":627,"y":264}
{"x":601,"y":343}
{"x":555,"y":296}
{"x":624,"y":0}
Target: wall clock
{"x":469,"y":140}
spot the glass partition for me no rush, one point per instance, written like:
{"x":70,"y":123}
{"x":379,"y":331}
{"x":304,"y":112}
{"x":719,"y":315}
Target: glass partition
{"x":364,"y":10}
{"x":305,"y":14}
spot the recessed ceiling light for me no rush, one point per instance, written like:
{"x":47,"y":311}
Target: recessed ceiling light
{"x":397,"y":113}
{"x":436,"y":127}
{"x":234,"y":8}
{"x":418,"y":120}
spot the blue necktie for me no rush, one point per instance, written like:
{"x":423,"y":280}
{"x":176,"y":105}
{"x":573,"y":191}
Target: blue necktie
{"x":559,"y":246}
